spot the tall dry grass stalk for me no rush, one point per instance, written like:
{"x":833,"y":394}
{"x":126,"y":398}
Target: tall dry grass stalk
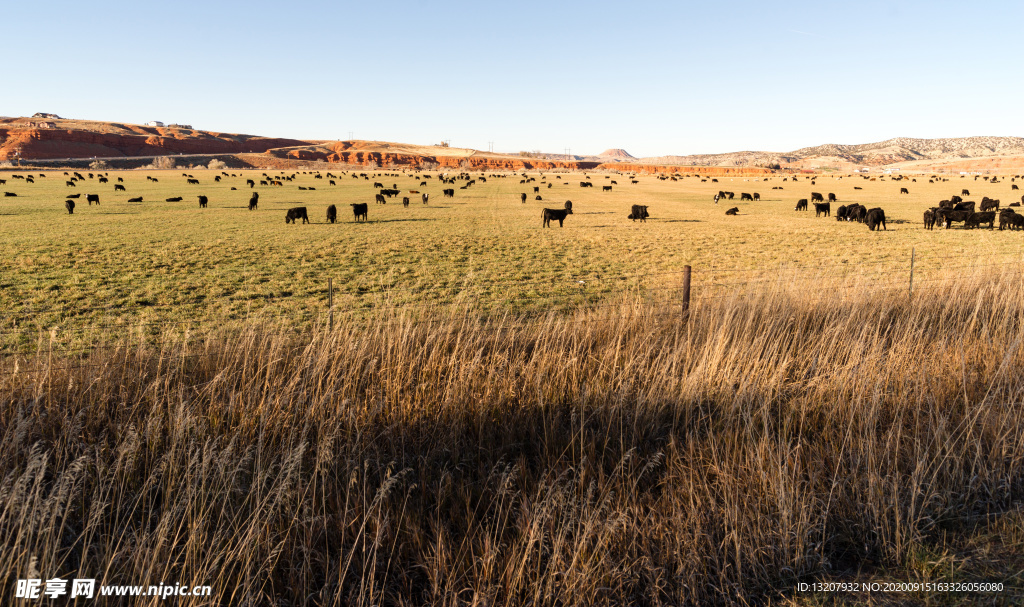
{"x":618,"y":456}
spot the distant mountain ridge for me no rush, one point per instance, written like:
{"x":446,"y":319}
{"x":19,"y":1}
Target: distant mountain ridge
{"x":897,"y":149}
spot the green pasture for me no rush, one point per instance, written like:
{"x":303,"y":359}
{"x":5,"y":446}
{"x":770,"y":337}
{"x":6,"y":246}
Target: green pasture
{"x":122,"y":263}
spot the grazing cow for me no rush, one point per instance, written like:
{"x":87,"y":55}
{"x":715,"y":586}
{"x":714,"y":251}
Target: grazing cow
{"x":379,"y":199}
{"x":801,"y":205}
{"x":118,"y":187}
{"x":841,"y":214}
{"x":426,"y":198}
{"x":74,"y":195}
{"x":332,"y":182}
{"x":1014,"y":187}
{"x":976,"y":219}
{"x":301,"y":188}
{"x":904,"y":191}
{"x":558,"y":214}
{"x":606,"y":188}
{"x":745,"y":196}
{"x":857,"y":187}
{"x":136,"y":199}
{"x":70,"y":184}
{"x":192,"y":181}
{"x":248,"y":182}
{"x":832,"y":197}
{"x":733,"y":211}
{"x":332,"y":214}
{"x":254,"y":200}
{"x":174,"y":199}
{"x":360,"y":210}
{"x":822,"y":208}
{"x":202,"y":202}
{"x":378,"y":184}
{"x":405,"y":201}
{"x":757,"y":196}
{"x":449,"y":193}
{"x":70,"y":206}
{"x":987,"y":204}
{"x":929,"y":219}
{"x":955,"y":199}
{"x":104,"y":180}
{"x":639,"y":212}
{"x":949,"y":217}
{"x":91,"y":198}
{"x":816,"y":197}
{"x":729,"y":195}
{"x":634,"y":181}
{"x":296,"y":213}
{"x":966,"y":192}
{"x":876,"y":218}
{"x":1006,"y":218}
{"x":856,"y":212}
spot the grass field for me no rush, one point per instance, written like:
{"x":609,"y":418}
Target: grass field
{"x":122,"y":263}
{"x":510,"y":414}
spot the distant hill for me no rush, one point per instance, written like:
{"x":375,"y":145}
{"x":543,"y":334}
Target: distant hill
{"x":615,"y":154}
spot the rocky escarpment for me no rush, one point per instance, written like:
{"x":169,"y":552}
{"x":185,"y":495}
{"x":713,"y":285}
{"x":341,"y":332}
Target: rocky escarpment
{"x":76,"y":139}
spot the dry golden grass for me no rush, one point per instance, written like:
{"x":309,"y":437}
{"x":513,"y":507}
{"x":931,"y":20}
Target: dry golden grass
{"x":606,"y":457}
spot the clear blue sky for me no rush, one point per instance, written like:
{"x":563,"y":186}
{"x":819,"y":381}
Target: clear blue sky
{"x":651,"y":77}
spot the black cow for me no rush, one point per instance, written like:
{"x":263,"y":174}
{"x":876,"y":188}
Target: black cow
{"x":91,"y":198}
{"x":745,"y":196}
{"x":202,"y":202}
{"x":856,"y":212}
{"x":875,"y":218}
{"x":405,"y":201}
{"x":118,"y":187}
{"x":757,"y":196}
{"x":192,"y":181}
{"x":536,"y":189}
{"x":955,"y":199}
{"x":248,"y":182}
{"x":904,"y":191}
{"x":449,"y":193}
{"x":332,"y":213}
{"x":296,"y":213}
{"x":558,"y":214}
{"x":801,"y":205}
{"x":733,"y":211}
{"x":74,"y":195}
{"x":254,"y":200}
{"x":949,"y":217}
{"x":929,"y":219}
{"x":70,"y":206}
{"x":174,"y":199}
{"x":379,"y":199}
{"x":816,"y":197}
{"x":10,"y":194}
{"x":639,"y":212}
{"x":966,"y":192}
{"x":523,"y":197}
{"x":832,"y":197}
{"x":70,"y":184}
{"x":822,"y":208}
{"x":360,"y":210}
{"x":841,"y":214}
{"x":987,"y":204}
{"x":964,"y":206}
{"x":976,"y":219}
{"x":136,"y":199}
{"x":606,"y":188}
{"x":104,"y":180}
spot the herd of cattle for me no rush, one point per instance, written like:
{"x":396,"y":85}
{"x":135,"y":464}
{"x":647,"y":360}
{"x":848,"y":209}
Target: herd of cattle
{"x":948,"y":212}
